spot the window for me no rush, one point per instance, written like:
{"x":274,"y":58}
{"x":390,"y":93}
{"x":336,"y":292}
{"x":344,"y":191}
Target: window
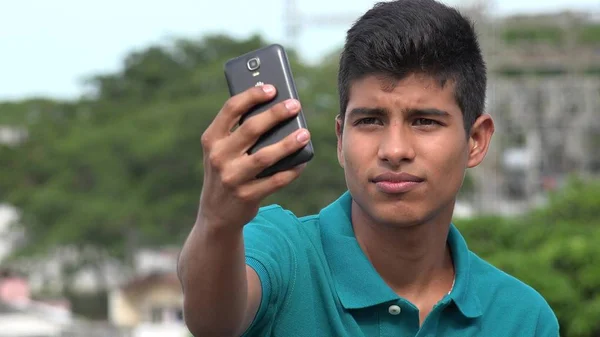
{"x":156,"y":315}
{"x":179,"y":314}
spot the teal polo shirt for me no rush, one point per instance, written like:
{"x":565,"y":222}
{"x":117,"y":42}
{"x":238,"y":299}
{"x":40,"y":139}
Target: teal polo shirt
{"x":316,"y":281}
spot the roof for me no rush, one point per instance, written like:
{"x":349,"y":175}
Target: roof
{"x":22,"y":325}
{"x":153,"y":279}
{"x":6,"y":308}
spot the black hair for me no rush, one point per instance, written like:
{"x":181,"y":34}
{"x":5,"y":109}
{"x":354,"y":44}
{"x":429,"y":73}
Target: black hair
{"x":402,"y":37}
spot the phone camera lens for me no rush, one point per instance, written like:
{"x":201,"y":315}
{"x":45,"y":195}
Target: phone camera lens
{"x":253,"y":64}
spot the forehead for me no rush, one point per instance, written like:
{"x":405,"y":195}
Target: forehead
{"x":413,"y":91}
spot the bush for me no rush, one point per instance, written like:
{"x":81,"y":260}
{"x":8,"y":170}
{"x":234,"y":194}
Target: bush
{"x":554,"y":249}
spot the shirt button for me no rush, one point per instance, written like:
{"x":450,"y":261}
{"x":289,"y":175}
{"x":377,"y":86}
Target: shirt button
{"x":394,"y":310}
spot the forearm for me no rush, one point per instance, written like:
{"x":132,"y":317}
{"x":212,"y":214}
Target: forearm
{"x":212,"y":271}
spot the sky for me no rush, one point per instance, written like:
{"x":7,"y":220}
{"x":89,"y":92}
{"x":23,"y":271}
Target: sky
{"x":48,"y":47}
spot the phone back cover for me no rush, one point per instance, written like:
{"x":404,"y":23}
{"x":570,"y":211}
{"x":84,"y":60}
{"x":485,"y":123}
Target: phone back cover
{"x":275,"y":70}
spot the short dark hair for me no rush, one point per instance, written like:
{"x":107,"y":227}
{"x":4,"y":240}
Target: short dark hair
{"x":402,"y":37}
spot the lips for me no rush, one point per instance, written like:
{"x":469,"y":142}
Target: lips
{"x":397,"y":178}
{"x":395,"y":183}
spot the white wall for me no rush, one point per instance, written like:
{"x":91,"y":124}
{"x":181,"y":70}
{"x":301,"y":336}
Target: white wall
{"x":161,"y":330}
{"x":7,"y":215}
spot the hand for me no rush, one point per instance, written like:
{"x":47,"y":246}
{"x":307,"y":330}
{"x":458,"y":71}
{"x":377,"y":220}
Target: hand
{"x":231,"y":193}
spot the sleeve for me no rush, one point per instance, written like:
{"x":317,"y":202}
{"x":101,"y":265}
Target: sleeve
{"x":270,"y":253}
{"x":547,"y":324}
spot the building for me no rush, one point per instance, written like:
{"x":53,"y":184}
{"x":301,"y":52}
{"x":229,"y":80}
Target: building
{"x":22,"y":316}
{"x":150,"y":305}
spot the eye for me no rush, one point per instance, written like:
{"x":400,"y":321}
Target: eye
{"x":368,"y":120}
{"x":425,"y":122}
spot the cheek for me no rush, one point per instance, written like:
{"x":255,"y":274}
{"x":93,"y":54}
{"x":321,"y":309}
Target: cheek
{"x":448,"y":159}
{"x":355,"y":151}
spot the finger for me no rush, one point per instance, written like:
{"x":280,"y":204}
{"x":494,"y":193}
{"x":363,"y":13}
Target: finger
{"x":237,"y":105}
{"x":259,"y":189}
{"x":250,"y":131}
{"x":247,"y":167}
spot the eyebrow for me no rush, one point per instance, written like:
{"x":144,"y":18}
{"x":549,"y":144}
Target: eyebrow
{"x":371,"y":112}
{"x":428,"y":112}
{"x":381,"y":112}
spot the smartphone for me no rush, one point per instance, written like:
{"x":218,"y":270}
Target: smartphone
{"x":269,"y":65}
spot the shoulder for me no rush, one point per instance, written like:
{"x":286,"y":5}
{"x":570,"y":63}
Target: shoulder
{"x":278,"y":222}
{"x":498,"y":290}
{"x":495,"y":282}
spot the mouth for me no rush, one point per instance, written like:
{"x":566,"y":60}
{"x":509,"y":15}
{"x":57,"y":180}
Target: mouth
{"x":396,"y":183}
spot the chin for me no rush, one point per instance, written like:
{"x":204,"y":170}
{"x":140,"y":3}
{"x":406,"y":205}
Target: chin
{"x":396,"y":214}
{"x":398,"y":218}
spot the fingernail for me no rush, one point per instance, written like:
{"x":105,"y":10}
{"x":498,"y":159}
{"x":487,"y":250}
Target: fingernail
{"x":291,"y":105}
{"x":268,"y":88}
{"x":302,"y":136}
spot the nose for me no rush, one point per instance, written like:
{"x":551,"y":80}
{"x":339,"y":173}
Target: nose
{"x":396,"y":146}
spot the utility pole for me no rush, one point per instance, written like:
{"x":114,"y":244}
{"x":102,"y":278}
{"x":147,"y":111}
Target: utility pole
{"x":291,"y":22}
{"x":295,"y":22}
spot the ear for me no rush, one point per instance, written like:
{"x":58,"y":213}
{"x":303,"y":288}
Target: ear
{"x":339,"y":131}
{"x":479,"y":139}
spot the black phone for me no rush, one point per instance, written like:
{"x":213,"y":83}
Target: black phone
{"x":269,"y":65}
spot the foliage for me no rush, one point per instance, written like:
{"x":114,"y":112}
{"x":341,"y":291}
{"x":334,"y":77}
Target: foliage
{"x":121,"y":169}
{"x":554,"y":249}
{"x":585,"y":34}
{"x":589,"y":34}
{"x":551,"y":35}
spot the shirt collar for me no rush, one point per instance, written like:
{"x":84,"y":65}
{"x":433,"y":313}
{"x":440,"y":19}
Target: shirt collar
{"x":464,"y":293}
{"x":358,"y":284}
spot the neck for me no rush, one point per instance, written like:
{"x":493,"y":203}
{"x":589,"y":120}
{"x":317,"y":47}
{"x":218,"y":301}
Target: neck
{"x":413,"y":260}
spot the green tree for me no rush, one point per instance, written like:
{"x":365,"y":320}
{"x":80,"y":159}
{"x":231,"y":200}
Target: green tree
{"x":121,"y":168}
{"x":554,"y":249}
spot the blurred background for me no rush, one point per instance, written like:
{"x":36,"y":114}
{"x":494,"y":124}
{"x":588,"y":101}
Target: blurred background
{"x":102,"y":105}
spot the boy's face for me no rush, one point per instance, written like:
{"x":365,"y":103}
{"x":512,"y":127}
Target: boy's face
{"x":416,"y":128}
